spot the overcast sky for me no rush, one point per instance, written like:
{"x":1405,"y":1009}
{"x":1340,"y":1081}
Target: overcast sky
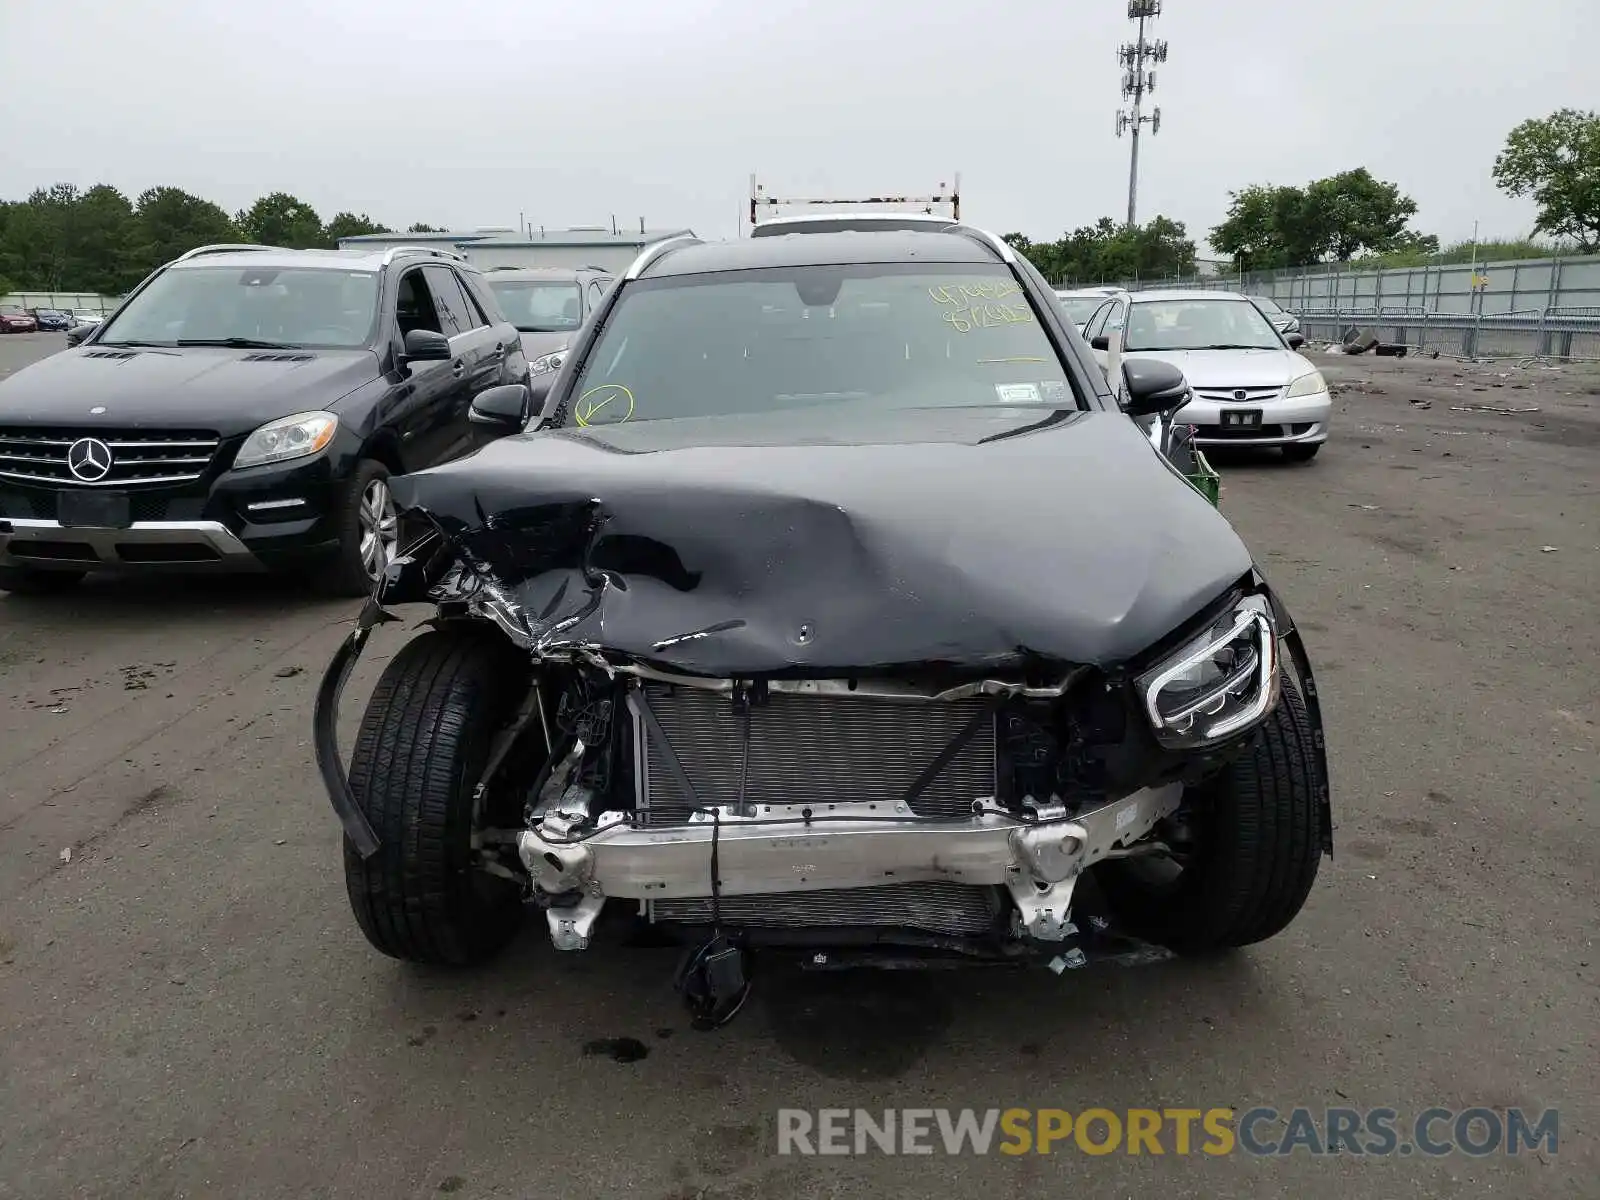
{"x":468,"y":112}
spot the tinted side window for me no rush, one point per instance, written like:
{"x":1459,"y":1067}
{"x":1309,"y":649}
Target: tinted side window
{"x":414,"y":307}
{"x":450,"y":300}
{"x":475,"y":310}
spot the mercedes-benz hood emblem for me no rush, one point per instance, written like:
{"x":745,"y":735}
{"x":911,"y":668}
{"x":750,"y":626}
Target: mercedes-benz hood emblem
{"x":89,"y":459}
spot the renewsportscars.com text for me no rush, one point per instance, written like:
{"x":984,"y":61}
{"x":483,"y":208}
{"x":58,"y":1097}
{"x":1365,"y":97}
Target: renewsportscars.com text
{"x":1434,"y":1132}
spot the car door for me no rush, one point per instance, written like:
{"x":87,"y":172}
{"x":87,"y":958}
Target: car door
{"x":426,"y":402}
{"x":478,"y":351}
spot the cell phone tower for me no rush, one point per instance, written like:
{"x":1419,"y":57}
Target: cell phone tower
{"x":1137,"y":81}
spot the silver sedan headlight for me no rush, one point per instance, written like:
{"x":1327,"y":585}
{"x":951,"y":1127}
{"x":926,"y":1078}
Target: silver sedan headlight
{"x":546,"y":363}
{"x":1217,"y":685}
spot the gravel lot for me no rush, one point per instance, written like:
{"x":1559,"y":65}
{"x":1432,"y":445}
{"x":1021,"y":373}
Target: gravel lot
{"x":187,"y":1008}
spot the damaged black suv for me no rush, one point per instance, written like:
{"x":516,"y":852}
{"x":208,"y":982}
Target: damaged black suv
{"x":832,"y":602}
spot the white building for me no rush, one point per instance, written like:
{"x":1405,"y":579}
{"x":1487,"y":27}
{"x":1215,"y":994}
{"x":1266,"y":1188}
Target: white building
{"x":585,"y":246}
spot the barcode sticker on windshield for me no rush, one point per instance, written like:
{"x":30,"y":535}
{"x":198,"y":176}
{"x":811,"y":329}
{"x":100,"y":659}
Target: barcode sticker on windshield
{"x":1017,"y":393}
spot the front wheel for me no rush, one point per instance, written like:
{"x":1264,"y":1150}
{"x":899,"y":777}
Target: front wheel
{"x":421,"y":750}
{"x":1254,"y":855}
{"x":369,"y":531}
{"x":1301,"y":452}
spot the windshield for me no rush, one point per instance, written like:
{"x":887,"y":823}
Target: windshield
{"x":1199,"y":325}
{"x":1269,"y":304}
{"x":836,"y":337}
{"x":12,"y":310}
{"x":294,"y":307}
{"x":535,"y":306}
{"x":1080,"y":308}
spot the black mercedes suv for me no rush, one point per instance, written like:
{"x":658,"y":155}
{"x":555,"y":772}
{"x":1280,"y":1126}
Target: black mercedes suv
{"x":244,"y":409}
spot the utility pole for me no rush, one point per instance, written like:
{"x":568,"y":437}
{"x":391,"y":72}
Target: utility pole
{"x":1136,"y":82}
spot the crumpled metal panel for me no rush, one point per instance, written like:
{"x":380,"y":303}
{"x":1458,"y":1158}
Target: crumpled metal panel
{"x":971,"y":538}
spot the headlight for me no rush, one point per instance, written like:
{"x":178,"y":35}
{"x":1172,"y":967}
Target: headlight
{"x":293,"y":437}
{"x":1219,"y":684}
{"x":1308,"y":384}
{"x":546,"y":363}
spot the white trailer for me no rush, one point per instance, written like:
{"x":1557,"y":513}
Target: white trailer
{"x":764,"y":206}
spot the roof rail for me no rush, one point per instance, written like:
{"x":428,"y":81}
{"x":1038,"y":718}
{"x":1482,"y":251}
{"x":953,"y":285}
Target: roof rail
{"x":394,"y":252}
{"x":1000,"y":246}
{"x":222,"y":248}
{"x":652,"y":252}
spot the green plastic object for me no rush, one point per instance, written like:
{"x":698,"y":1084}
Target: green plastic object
{"x":1205,"y":479}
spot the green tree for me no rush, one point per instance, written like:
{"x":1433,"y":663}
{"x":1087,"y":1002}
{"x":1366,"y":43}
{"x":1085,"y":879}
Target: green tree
{"x":279,"y":219}
{"x":424,"y":227}
{"x":1108,"y":250}
{"x":1556,"y":160}
{"x":1337,"y":217}
{"x":98,"y":243}
{"x":346,"y":224}
{"x":169,"y":221}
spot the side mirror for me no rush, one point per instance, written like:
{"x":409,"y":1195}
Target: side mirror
{"x":1295,"y":340}
{"x":1100,"y":343}
{"x":501,"y":410}
{"x":424,"y":345}
{"x":1153,"y":387}
{"x":77,"y":333}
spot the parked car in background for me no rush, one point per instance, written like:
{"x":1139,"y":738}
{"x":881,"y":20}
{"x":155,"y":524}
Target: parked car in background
{"x":51,"y":319}
{"x":16,"y":319}
{"x":720,"y":649}
{"x":1282,"y":320}
{"x":245,"y":409}
{"x":1250,"y":386}
{"x":1080,"y":303}
{"x":548,"y":305}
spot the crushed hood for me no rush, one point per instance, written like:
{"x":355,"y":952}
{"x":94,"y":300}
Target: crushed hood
{"x":812,"y":543}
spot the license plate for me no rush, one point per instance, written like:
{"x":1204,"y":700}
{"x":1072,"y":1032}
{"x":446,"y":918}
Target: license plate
{"x":96,"y":510}
{"x":1241,"y":418}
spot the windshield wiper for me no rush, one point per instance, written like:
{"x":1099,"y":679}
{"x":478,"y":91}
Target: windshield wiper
{"x":237,"y":343}
{"x":1230,"y":346}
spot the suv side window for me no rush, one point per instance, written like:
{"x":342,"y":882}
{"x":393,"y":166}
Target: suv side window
{"x":451,"y":301}
{"x":414,"y":306}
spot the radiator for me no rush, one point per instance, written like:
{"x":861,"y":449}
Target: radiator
{"x":810,"y":749}
{"x":953,"y":909}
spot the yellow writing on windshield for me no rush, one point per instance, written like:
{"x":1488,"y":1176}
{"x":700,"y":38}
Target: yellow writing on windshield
{"x":981,"y":304}
{"x":607,"y":404}
{"x":961,"y":295}
{"x":986,"y":316}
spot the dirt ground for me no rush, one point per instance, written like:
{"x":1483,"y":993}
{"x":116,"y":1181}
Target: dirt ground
{"x":188,"y":1010}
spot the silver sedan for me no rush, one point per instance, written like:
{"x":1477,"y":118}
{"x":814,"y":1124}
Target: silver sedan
{"x":1251,"y":386}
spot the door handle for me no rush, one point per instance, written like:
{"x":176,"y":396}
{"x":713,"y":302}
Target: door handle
{"x":458,"y":367}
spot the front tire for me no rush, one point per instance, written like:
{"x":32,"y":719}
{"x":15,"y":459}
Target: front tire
{"x":25,"y":581}
{"x":421,"y":749}
{"x":1301,"y":453}
{"x":369,"y":531}
{"x":1256,"y":851}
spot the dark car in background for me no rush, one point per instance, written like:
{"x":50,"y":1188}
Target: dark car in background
{"x":16,"y":319}
{"x":548,"y":305}
{"x":245,"y":409}
{"x":51,"y":319}
{"x":1284,"y":321}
